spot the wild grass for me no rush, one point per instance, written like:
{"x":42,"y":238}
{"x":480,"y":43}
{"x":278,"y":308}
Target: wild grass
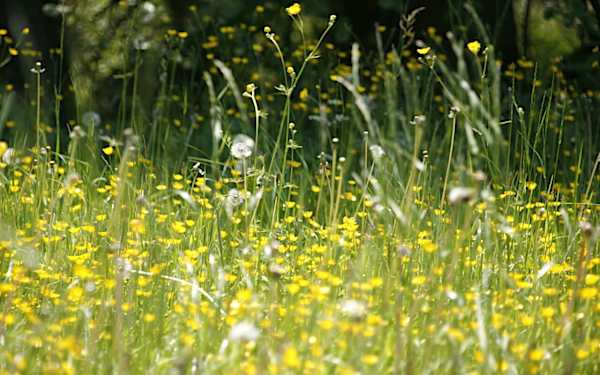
{"x":421,"y":210}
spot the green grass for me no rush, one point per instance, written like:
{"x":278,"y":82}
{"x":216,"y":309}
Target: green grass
{"x":443,"y":224}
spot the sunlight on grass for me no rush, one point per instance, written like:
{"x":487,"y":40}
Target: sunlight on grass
{"x":403,"y":213}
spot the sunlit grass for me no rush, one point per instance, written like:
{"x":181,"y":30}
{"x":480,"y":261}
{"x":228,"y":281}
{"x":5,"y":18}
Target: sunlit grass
{"x":414,"y":219}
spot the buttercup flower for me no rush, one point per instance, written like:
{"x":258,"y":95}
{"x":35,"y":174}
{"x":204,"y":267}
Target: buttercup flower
{"x":474,"y":47}
{"x":294,"y":9}
{"x":3,"y":148}
{"x":424,"y":50}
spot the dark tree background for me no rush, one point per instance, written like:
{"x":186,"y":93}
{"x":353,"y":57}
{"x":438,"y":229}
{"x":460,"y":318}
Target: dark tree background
{"x":90,"y":31}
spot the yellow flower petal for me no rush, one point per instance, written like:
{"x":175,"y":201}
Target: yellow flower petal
{"x":108,"y":150}
{"x":424,"y":50}
{"x":474,"y":47}
{"x":294,"y":9}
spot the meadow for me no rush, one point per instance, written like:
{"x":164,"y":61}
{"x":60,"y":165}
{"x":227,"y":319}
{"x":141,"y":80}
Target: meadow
{"x":422,"y":207}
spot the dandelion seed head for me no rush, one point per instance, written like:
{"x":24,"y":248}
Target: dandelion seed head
{"x":353,"y":309}
{"x":77,"y":133}
{"x":461,"y":195}
{"x":91,"y":118}
{"x":55,"y":10}
{"x":242,"y":147}
{"x":377,"y":152}
{"x":244,"y":332}
{"x":149,"y":11}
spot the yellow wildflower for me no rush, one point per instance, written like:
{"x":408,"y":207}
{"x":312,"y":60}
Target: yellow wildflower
{"x":291,"y":358}
{"x":590,"y":279}
{"x":474,"y":47}
{"x":418,"y":280}
{"x":424,"y":50}
{"x":536,"y":354}
{"x":369,"y":359}
{"x":294,"y":9}
{"x":582,"y":354}
{"x":108,"y":150}
{"x":588,"y":293}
